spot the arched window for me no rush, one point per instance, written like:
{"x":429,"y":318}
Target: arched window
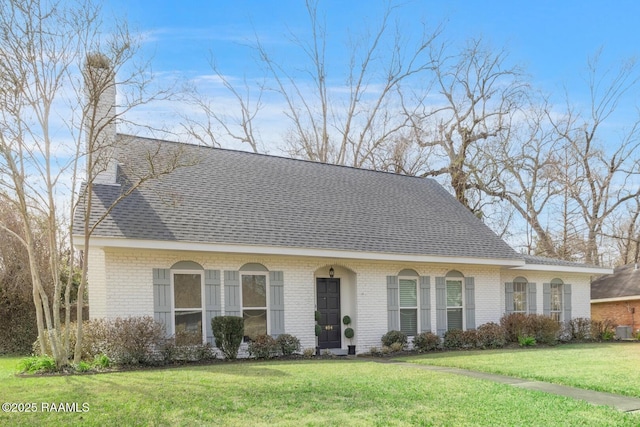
{"x":187,"y":280}
{"x":408,"y":289}
{"x":555,"y":308}
{"x":454,"y":280}
{"x":520,"y":295}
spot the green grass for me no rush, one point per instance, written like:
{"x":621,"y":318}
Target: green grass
{"x":291,"y":393}
{"x":612,"y":367}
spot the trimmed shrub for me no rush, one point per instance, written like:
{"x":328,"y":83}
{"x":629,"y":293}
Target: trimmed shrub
{"x":543,"y":328}
{"x":514,"y":325}
{"x":228,"y":332}
{"x":394,"y":336}
{"x":125,"y":341}
{"x":263,"y":347}
{"x":288,"y":344}
{"x":35,"y":347}
{"x":190,"y":353}
{"x":426,"y":341}
{"x":95,"y":338}
{"x":577,"y":329}
{"x":470,"y":338}
{"x":98,"y":337}
{"x":491,"y":335}
{"x":457,"y":338}
{"x":375,"y":351}
{"x":187,"y":338}
{"x":134,"y":340}
{"x":396,"y":347}
{"x":453,"y":338}
{"x":349,"y":333}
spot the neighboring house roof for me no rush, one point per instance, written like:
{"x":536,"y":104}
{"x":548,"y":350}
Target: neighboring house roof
{"x":623,"y":283}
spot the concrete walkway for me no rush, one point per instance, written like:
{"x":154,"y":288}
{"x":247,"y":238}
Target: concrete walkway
{"x":621,"y":403}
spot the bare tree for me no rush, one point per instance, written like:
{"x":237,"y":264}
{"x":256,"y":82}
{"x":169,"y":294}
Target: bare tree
{"x":344,"y":118}
{"x":600,"y":180}
{"x":479,"y":93}
{"x":219,"y":123}
{"x":519,"y":170}
{"x":43,"y":49}
{"x":37,"y":45}
{"x":626,"y":234}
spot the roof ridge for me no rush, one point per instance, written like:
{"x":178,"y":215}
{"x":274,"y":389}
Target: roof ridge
{"x":243,"y":152}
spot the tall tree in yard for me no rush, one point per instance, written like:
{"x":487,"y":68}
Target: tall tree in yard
{"x":346,"y":113}
{"x":52,"y":78}
{"x":602,"y":171}
{"x":479,"y":93}
{"x":519,"y":170}
{"x":38,"y":42}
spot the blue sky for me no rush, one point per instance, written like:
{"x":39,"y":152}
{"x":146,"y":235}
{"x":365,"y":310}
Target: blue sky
{"x":551,"y":39}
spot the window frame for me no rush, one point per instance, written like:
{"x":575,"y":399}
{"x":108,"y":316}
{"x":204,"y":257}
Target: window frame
{"x":558,"y":285}
{"x":521,"y":281}
{"x":415,"y":279}
{"x":456,"y":276}
{"x":173,"y":273}
{"x":267,"y":299}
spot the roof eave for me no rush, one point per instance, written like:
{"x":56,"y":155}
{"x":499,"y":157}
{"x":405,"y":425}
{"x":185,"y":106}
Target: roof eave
{"x":615,"y":299}
{"x":564,"y":268}
{"x":292,"y":251}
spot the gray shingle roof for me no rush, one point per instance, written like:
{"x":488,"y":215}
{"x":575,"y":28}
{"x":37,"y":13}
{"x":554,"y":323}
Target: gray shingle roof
{"x":624,"y":282}
{"x":234,"y":197}
{"x":539,"y":260}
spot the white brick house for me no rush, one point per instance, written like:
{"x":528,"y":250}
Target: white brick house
{"x":273,"y":240}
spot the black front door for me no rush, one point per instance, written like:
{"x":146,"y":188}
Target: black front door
{"x":328,"y":293}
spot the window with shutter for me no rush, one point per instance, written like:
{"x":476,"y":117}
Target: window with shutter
{"x":254,"y":304}
{"x":520,"y":295}
{"x":454,"y":304}
{"x":187,"y":307}
{"x":408,"y":288}
{"x":555,"y":308}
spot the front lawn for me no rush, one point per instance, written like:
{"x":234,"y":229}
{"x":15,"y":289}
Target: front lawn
{"x":612,"y":367}
{"x":326,"y":392}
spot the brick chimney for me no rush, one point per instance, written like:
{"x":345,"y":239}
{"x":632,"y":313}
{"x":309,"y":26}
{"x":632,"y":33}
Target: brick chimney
{"x":100,"y":126}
